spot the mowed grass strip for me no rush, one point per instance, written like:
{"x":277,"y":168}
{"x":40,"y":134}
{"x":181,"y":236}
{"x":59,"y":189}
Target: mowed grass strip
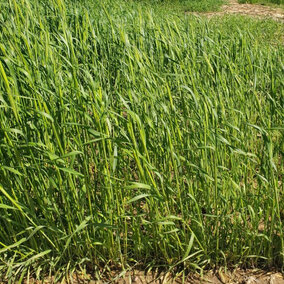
{"x":127,"y":138}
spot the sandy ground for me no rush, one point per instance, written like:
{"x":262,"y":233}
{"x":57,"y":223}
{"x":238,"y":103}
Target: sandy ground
{"x":254,"y":10}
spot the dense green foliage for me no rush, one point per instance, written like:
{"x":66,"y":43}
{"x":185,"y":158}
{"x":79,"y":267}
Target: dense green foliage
{"x":127,"y":138}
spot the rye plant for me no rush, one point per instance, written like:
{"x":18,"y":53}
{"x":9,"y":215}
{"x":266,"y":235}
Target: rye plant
{"x":128,"y":139}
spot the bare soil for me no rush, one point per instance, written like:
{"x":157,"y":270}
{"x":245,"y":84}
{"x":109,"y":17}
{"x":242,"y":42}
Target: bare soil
{"x":220,"y":277}
{"x":237,"y":276}
{"x":253,"y":10}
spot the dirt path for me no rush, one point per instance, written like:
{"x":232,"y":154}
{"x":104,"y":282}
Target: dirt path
{"x":254,"y":10}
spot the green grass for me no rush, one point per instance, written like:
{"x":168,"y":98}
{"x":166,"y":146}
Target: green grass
{"x":127,"y":138}
{"x":184,"y":5}
{"x":265,"y":2}
{"x":201,"y":6}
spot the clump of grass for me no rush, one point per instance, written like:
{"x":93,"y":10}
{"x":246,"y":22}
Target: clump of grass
{"x":126,"y":139}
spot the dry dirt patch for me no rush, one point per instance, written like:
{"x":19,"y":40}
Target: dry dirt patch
{"x":254,"y":10}
{"x":220,"y":277}
{"x":238,"y":276}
